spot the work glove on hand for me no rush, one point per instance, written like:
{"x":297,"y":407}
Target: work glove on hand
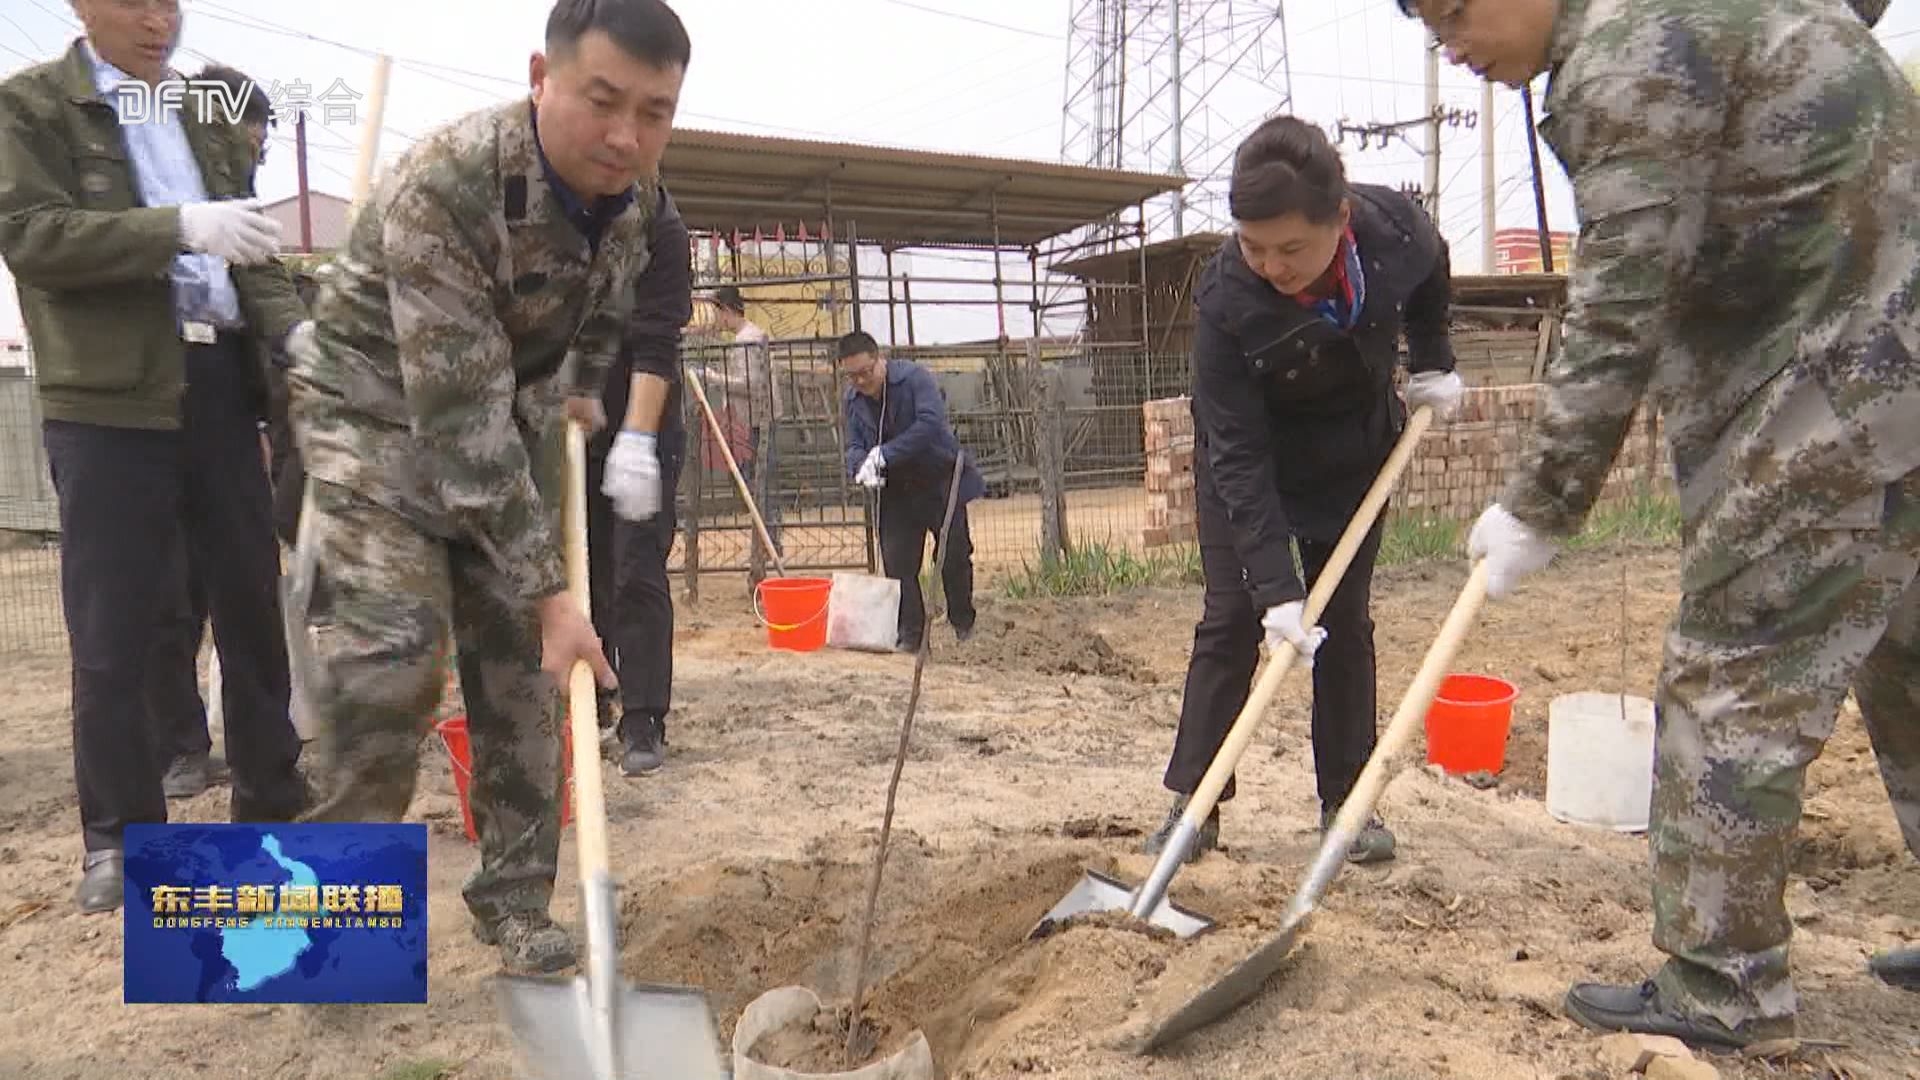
{"x":234,"y":230}
{"x":1283,"y":624}
{"x":1439,"y":390}
{"x":633,"y":476}
{"x":869,"y":472}
{"x":1511,"y":548}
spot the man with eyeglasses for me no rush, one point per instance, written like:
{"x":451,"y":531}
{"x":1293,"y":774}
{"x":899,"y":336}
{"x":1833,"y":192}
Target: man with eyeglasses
{"x":899,"y":444}
{"x":148,"y":286}
{"x":1747,"y":174}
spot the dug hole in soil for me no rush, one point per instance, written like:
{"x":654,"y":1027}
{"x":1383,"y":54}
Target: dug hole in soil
{"x":950,"y":955}
{"x":1038,"y":751}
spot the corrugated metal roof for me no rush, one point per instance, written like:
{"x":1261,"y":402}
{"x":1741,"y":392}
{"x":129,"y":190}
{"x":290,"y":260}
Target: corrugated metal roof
{"x":1124,"y":265}
{"x":724,"y":181}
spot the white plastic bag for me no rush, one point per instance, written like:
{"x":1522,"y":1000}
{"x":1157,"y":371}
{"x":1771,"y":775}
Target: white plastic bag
{"x":863,"y":613}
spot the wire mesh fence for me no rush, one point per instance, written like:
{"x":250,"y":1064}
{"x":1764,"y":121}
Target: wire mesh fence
{"x":1097,"y":441}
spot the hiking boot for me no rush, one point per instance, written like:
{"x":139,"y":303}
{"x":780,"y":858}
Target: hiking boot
{"x":1374,"y":844}
{"x":1207,"y":840}
{"x":1640,"y":1010}
{"x":1897,"y":967}
{"x":529,"y":942}
{"x":643,"y":744}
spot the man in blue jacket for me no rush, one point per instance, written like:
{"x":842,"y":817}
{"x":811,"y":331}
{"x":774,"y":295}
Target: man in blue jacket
{"x":899,"y":444}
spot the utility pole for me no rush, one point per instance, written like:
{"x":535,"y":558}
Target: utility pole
{"x":370,"y":134}
{"x":1489,"y":179}
{"x":300,"y":162}
{"x":1433,"y":130}
{"x":1379,"y":135}
{"x":1179,"y":166}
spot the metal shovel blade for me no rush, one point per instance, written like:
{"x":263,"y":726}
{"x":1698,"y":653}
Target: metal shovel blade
{"x":1096,"y":892}
{"x":650,"y":1033}
{"x":1230,"y":991}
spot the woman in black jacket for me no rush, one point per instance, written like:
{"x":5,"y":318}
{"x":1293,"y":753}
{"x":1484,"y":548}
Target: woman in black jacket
{"x":1297,"y":333}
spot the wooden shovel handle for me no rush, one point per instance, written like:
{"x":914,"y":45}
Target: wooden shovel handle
{"x":1413,"y":709}
{"x":726,"y":452}
{"x":1202,"y":801}
{"x":589,"y":798}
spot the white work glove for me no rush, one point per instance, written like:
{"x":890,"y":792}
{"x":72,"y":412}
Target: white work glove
{"x":633,"y":476}
{"x":234,"y":230}
{"x":1439,"y":390}
{"x":869,"y":472}
{"x":1511,"y":548}
{"x":1283,"y":626}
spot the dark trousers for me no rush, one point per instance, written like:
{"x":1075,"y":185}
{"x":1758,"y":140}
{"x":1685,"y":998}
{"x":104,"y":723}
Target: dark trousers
{"x":173,"y":674}
{"x":632,"y":598}
{"x":906,"y":521}
{"x":1226,"y":651}
{"x":124,"y":495}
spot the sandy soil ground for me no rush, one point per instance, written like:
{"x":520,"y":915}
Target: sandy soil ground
{"x":1037,"y":753}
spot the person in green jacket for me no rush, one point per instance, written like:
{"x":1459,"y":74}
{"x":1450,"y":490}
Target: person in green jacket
{"x":147,"y":286}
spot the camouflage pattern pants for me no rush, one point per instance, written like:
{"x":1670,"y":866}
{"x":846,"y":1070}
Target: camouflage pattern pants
{"x":1755,"y":672}
{"x":392,"y":593}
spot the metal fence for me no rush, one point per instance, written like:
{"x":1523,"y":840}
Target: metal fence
{"x":1057,"y":429}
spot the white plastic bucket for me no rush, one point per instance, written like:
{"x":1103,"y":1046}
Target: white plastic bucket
{"x":863,"y":613}
{"x":1599,"y":766}
{"x":792,"y":1006}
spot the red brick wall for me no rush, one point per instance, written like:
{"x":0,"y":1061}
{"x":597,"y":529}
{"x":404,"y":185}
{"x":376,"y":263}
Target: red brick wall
{"x":1458,"y":469}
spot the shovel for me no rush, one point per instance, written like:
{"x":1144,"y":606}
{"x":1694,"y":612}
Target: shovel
{"x":1247,"y":977}
{"x":739,"y":481}
{"x":296,"y":599}
{"x":601,"y":1027}
{"x":1097,"y":892}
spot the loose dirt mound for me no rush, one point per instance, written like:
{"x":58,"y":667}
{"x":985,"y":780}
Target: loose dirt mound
{"x":1048,"y":642}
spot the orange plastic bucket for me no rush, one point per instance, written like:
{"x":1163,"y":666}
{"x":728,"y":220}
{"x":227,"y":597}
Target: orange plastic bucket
{"x":795,"y":611}
{"x":1467,"y":724}
{"x":453,"y":732}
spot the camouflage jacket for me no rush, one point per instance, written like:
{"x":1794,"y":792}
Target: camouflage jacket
{"x":1747,"y":174}
{"x":429,"y":383}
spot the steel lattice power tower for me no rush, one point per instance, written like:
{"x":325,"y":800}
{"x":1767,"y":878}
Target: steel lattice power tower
{"x":1166,"y":86}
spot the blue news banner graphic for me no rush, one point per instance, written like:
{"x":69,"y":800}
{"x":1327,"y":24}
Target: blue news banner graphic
{"x":276,"y":914}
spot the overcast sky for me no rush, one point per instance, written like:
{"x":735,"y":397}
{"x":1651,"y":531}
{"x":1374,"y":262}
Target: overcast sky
{"x":972,"y":76}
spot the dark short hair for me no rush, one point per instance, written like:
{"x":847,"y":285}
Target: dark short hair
{"x":646,"y":29}
{"x":728,"y":296}
{"x":856,"y":343}
{"x":258,"y":108}
{"x":1286,"y":166}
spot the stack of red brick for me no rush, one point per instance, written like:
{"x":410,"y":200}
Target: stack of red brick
{"x":1458,"y":469}
{"x":1169,"y":445}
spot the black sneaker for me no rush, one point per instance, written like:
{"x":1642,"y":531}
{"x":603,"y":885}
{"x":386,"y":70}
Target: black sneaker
{"x":643,"y":745}
{"x":1208,"y":840}
{"x":187,"y":776}
{"x":1374,"y":844}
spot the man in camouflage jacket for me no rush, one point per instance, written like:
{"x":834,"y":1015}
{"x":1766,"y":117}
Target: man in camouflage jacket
{"x":1748,"y":180}
{"x":491,"y":274}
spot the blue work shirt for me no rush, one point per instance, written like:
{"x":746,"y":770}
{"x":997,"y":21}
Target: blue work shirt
{"x":166,"y":173}
{"x":912,"y":434}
